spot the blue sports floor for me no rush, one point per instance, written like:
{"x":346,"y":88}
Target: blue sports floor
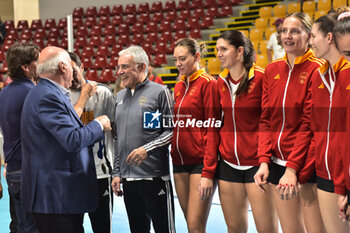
{"x":216,"y":222}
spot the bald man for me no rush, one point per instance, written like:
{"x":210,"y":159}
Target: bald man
{"x":58,"y":173}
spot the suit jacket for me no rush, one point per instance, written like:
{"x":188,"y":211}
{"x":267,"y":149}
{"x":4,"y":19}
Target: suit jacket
{"x":58,"y":172}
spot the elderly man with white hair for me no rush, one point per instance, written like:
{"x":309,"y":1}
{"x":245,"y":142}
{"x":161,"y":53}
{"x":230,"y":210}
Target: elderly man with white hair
{"x":58,"y":173}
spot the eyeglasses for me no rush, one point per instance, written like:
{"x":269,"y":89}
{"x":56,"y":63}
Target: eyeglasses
{"x":125,"y":66}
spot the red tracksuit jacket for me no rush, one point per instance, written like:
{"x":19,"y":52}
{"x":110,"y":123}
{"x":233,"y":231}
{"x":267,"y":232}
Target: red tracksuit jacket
{"x":324,"y":122}
{"x":341,"y":166}
{"x":286,"y":95}
{"x":241,"y":118}
{"x":196,"y":122}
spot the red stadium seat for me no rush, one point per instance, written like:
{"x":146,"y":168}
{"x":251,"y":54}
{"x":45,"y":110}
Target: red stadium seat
{"x":39,"y":42}
{"x":104,"y":10}
{"x":152,"y":37}
{"x":64,"y":43}
{"x":110,"y":40}
{"x":169,"y":6}
{"x":185,"y":14}
{"x":88,"y":51}
{"x":151,"y":27}
{"x":165,"y":25}
{"x":54,"y":32}
{"x":96,"y":31}
{"x":130,"y":19}
{"x":117,"y":19}
{"x":22,"y":24}
{"x":137,"y":28}
{"x":102,"y":50}
{"x":137,"y":39}
{"x":226,"y":11}
{"x":144,"y":18}
{"x":180,"y":34}
{"x":90,"y":21}
{"x":26,"y":34}
{"x":123,"y":29}
{"x":147,"y":46}
{"x":195,"y":33}
{"x":81,"y":31}
{"x":52,"y":42}
{"x":160,"y":59}
{"x":171,"y":16}
{"x":62,"y":23}
{"x":213,"y":12}
{"x":78,"y":12}
{"x":107,"y":76}
{"x":179,"y":24}
{"x":91,"y":74}
{"x":91,"y":11}
{"x":40,"y":33}
{"x":166,"y":36}
{"x":117,"y":10}
{"x":193,"y":23}
{"x":198,"y":13}
{"x":157,"y":7}
{"x":80,"y":42}
{"x":104,"y":20}
{"x":50,"y":23}
{"x":116,"y":49}
{"x":195,"y":4}
{"x":114,"y":61}
{"x":101,"y":62}
{"x":95,"y":41}
{"x":36,"y":23}
{"x":2,"y":55}
{"x":143,"y":8}
{"x":207,"y":22}
{"x":9,"y":24}
{"x":157,"y":17}
{"x":12,"y":37}
{"x":130,"y":8}
{"x":183,"y":4}
{"x":77,"y":22}
{"x":209,"y":3}
{"x":123,"y":39}
{"x":12,"y":31}
{"x":161,"y":47}
{"x":109,"y":30}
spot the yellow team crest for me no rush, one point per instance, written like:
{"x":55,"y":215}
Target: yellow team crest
{"x":348,"y":87}
{"x":277,"y":76}
{"x":223,"y":89}
{"x":302,"y":77}
{"x":177,"y":94}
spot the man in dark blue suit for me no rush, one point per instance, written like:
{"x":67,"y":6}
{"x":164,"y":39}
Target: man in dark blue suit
{"x":58,"y":173}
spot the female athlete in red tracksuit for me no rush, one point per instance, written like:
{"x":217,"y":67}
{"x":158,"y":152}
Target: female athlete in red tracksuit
{"x":240,"y":88}
{"x":286,"y":95}
{"x":342,"y":181}
{"x":323,"y":122}
{"x":195,"y":136}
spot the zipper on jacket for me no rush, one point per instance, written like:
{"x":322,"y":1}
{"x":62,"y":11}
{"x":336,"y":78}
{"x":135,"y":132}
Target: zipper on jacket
{"x":178,"y":127}
{"x":234,"y":123}
{"x":283,"y":114}
{"x":330,"y":88}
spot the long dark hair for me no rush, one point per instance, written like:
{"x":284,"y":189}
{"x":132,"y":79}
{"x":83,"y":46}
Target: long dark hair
{"x":237,"y":39}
